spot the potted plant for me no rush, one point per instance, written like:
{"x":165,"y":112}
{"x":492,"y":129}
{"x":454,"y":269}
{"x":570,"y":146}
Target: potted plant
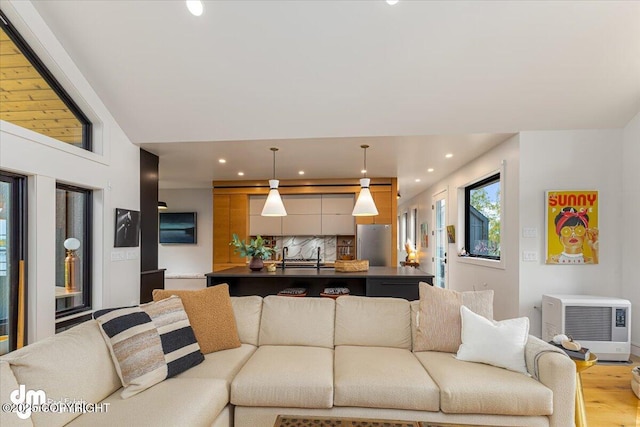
{"x":255,"y":249}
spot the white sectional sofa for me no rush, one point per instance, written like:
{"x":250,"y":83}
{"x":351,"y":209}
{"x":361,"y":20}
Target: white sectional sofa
{"x":348,"y":357}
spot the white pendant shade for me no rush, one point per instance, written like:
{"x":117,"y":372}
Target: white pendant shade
{"x":365,"y":205}
{"x":273,"y":206}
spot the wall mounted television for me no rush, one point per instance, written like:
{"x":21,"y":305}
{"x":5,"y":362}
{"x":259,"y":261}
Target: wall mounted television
{"x":178,"y":227}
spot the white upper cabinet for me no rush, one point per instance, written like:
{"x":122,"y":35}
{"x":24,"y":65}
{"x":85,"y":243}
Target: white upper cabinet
{"x":307,"y":215}
{"x":337,"y":204}
{"x":302,"y":225}
{"x":256,"y":203}
{"x":262,"y":225}
{"x":265,"y":225}
{"x":303,"y":204}
{"x":336,"y":214}
{"x":338,"y":224}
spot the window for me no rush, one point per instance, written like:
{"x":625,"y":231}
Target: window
{"x":414,"y":225}
{"x":12,"y":251}
{"x":73,"y":250}
{"x":31,"y":96}
{"x":482,"y":218}
{"x":404,"y":231}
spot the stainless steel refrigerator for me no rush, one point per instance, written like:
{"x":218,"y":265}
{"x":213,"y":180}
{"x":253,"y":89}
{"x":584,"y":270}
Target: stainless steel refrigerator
{"x":374,"y":244}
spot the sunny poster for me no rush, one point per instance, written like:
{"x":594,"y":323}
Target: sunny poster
{"x":572,"y":227}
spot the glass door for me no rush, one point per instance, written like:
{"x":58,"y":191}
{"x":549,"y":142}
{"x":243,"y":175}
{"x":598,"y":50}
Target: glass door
{"x":12,"y":303}
{"x":439,"y":233}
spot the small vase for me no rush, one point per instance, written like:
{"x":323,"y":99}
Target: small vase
{"x":256,"y":264}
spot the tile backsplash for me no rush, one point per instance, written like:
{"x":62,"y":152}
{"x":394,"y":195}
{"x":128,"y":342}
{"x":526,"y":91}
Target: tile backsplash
{"x":306,"y":247}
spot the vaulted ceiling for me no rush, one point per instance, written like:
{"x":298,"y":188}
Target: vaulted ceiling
{"x":317,"y":78}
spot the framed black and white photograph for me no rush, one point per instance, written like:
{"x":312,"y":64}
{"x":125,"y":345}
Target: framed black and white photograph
{"x":127,"y":228}
{"x":178,"y":227}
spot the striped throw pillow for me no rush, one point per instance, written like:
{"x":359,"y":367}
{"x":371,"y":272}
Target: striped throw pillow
{"x":149,"y":342}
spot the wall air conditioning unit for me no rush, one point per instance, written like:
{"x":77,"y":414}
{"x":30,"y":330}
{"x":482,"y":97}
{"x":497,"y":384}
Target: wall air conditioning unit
{"x":601,"y":324}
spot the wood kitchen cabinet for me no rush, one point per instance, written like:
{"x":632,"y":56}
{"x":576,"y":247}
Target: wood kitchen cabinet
{"x":385,"y":202}
{"x":230,"y":215}
{"x":316,"y":207}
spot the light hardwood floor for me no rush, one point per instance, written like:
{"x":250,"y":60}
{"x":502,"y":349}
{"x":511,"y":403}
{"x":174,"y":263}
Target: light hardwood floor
{"x":608,"y":396}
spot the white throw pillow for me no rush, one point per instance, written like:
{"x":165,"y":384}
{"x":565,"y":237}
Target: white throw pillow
{"x":494,"y":343}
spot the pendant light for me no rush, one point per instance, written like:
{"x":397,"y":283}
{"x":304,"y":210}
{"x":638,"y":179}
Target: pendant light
{"x":365,"y":206}
{"x":274,"y":206}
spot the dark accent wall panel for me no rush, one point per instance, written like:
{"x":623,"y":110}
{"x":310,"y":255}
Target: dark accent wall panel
{"x":148,"y":211}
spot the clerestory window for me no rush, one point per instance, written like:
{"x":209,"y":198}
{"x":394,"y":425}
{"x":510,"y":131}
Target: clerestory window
{"x":31,"y":97}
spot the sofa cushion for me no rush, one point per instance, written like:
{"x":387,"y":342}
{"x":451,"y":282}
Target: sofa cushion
{"x":247,"y":311}
{"x":382,"y":322}
{"x":287,"y":376}
{"x":381,"y":377}
{"x":53,"y":363}
{"x":8,"y":383}
{"x":174,"y":402}
{"x":475,"y":388}
{"x":496,"y":343}
{"x":223,"y":364}
{"x":438,"y":322}
{"x":149,"y":343}
{"x":297,"y":321}
{"x":210,"y":314}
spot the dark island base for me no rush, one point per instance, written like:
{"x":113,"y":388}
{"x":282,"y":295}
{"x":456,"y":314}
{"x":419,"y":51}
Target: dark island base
{"x":378,"y":281}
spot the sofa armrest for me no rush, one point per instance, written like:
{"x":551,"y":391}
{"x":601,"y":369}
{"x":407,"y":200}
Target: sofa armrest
{"x":553,"y":368}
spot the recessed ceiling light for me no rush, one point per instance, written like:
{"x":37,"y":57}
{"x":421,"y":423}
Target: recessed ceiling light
{"x":430,"y":170}
{"x":392,"y":2}
{"x":300,"y":172}
{"x":195,"y":7}
{"x":448,"y":155}
{"x":417,"y":179}
{"x":241,"y":173}
{"x":222,"y":161}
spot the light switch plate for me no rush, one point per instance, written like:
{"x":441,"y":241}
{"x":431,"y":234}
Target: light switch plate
{"x":529,"y":256}
{"x":529,"y":232}
{"x":117,"y":256}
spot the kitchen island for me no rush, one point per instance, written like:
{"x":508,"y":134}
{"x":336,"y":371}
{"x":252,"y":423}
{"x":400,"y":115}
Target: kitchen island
{"x":401,"y":282}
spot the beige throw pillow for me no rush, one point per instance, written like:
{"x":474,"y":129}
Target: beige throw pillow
{"x":210,"y":314}
{"x":438,"y":322}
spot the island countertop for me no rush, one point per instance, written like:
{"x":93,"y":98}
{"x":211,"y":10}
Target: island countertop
{"x":377,"y":281}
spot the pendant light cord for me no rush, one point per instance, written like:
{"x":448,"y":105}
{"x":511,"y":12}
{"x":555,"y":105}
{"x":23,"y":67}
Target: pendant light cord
{"x":364,"y":146}
{"x":274,"y":149}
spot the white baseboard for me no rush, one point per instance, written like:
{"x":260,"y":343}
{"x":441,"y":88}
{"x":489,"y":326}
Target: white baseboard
{"x":635,"y":349}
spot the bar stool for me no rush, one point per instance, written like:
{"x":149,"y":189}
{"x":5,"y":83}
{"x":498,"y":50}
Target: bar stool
{"x":293,"y":292}
{"x":335,"y":292}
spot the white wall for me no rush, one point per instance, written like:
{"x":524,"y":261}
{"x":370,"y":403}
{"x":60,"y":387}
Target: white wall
{"x":189,"y":259}
{"x":567,"y":160}
{"x":537,"y":161}
{"x":464,"y":276}
{"x":112,"y":172}
{"x":630,"y":227}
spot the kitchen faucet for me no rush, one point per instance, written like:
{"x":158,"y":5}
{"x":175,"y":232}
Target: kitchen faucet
{"x":285,"y":252}
{"x":318,"y":259}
